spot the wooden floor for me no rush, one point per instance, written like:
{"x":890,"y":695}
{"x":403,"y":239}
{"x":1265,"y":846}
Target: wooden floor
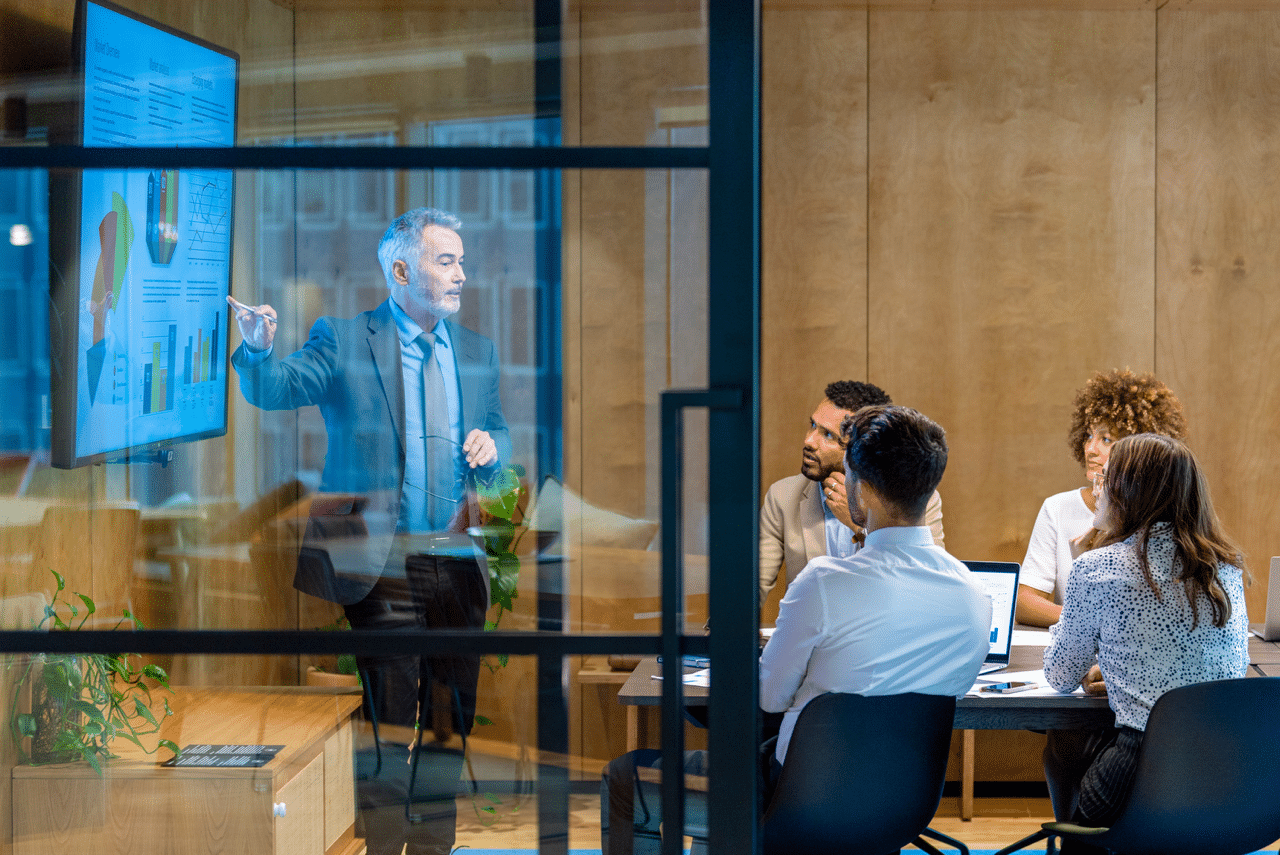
{"x":514,"y":826}
{"x":997,"y":823}
{"x":505,"y":821}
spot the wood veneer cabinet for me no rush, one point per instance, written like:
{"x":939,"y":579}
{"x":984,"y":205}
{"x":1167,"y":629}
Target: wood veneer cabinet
{"x":139,"y":806}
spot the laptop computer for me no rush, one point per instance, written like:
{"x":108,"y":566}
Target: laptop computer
{"x":1000,"y":579}
{"x":1270,"y":629}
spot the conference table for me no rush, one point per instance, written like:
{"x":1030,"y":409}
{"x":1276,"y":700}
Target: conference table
{"x":1018,"y":711}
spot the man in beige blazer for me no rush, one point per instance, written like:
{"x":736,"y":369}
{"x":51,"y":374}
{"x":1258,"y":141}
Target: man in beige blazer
{"x":807,"y":515}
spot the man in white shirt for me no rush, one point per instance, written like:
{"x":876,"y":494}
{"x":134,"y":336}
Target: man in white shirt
{"x":901,"y":614}
{"x":807,"y":514}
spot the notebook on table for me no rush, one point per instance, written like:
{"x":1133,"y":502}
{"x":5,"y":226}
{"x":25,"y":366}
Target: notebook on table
{"x":1000,"y":579}
{"x":1269,"y":630}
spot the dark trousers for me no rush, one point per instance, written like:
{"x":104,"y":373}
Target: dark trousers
{"x":1090,"y":774}
{"x":631,"y":809}
{"x":404,"y":805}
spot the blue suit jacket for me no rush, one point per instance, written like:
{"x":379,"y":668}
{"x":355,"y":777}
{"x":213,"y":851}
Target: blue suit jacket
{"x":350,"y":369}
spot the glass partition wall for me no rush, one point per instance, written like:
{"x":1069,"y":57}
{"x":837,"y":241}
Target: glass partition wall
{"x":600,"y":281}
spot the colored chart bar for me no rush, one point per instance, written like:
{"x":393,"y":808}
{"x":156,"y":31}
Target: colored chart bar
{"x":146,"y":388}
{"x":170,"y":374}
{"x":157,"y":388}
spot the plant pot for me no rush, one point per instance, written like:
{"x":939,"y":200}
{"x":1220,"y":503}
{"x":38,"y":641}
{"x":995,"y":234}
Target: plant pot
{"x":57,"y":681}
{"x":316,"y":677}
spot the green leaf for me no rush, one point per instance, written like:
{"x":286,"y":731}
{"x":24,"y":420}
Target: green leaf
{"x":508,"y":566}
{"x":134,"y":739}
{"x":62,"y":583}
{"x":88,"y":603}
{"x":92,"y":757}
{"x":155,"y":672}
{"x":483,"y":720}
{"x":88,"y":709}
{"x":27,"y":724}
{"x":141,"y":710}
{"x":170,"y":745}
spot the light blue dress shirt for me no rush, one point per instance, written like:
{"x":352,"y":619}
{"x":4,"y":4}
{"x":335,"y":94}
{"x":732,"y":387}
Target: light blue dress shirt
{"x":839,"y":536}
{"x":414,"y":504}
{"x":413,"y":509}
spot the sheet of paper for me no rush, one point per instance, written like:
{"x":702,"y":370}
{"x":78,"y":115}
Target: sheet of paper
{"x":701,"y":678}
{"x":1042,"y":689}
{"x":1030,"y":637}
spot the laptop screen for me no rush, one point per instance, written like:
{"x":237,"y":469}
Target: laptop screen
{"x":1000,"y":579}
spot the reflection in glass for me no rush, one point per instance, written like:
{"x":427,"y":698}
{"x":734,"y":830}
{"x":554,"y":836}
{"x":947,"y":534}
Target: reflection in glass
{"x":275,"y":525}
{"x":265,"y":769}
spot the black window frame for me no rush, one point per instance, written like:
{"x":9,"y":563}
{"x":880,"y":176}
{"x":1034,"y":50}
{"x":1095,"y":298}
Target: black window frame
{"x":731,"y":160}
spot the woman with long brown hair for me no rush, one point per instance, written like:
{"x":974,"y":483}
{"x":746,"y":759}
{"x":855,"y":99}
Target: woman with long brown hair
{"x":1159,"y":604}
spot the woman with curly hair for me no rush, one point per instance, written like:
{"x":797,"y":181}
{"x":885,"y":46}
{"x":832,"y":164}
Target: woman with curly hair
{"x":1112,"y":405}
{"x":1158,"y":604}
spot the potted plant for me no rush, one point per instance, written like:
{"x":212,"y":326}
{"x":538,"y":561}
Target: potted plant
{"x":338,"y":671}
{"x":499,"y":499}
{"x":80,"y":703}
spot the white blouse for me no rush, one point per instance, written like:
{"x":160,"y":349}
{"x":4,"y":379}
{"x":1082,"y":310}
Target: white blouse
{"x":1144,"y":644}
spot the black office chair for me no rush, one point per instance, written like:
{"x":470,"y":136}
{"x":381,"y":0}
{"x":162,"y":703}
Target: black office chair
{"x":1208,"y":776}
{"x":863,"y":774}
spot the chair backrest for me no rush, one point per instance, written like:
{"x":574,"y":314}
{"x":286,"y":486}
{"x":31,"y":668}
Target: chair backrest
{"x":862,"y":774}
{"x":1208,"y":776}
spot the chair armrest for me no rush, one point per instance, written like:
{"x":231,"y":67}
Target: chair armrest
{"x":1072,"y":828}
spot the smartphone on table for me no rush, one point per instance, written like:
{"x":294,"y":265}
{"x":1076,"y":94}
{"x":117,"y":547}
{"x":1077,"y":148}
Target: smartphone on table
{"x":1008,"y":688}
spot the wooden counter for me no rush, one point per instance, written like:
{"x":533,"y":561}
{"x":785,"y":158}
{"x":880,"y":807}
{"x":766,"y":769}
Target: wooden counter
{"x":140,"y":806}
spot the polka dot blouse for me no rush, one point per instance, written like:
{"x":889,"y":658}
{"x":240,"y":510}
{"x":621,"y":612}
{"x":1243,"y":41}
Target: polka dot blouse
{"x":1144,"y":644}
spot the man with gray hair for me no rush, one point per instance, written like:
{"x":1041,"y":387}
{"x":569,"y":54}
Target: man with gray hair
{"x":412,"y":413}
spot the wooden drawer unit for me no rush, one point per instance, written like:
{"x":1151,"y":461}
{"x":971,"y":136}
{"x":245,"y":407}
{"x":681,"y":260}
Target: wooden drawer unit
{"x":300,"y":803}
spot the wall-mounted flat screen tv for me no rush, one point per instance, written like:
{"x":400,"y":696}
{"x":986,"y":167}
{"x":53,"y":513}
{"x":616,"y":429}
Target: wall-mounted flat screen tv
{"x":141,"y":259}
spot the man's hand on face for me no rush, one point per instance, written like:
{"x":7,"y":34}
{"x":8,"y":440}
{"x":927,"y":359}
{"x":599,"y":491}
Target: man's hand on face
{"x":833,"y":493}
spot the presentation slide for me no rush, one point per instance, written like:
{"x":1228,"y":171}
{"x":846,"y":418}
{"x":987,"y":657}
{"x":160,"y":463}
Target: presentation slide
{"x":155,"y":245}
{"x":1003,"y":600}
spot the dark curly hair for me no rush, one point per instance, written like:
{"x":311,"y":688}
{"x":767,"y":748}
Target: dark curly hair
{"x":1126,"y":403}
{"x":853,"y":395}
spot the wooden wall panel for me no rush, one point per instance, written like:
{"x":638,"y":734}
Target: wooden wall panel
{"x":381,"y":66}
{"x":814,"y":226}
{"x":1218,"y":306}
{"x":632,"y":73}
{"x":1010,"y":246}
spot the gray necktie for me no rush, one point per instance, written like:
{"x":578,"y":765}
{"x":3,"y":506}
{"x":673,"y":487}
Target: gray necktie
{"x":439,"y":455}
